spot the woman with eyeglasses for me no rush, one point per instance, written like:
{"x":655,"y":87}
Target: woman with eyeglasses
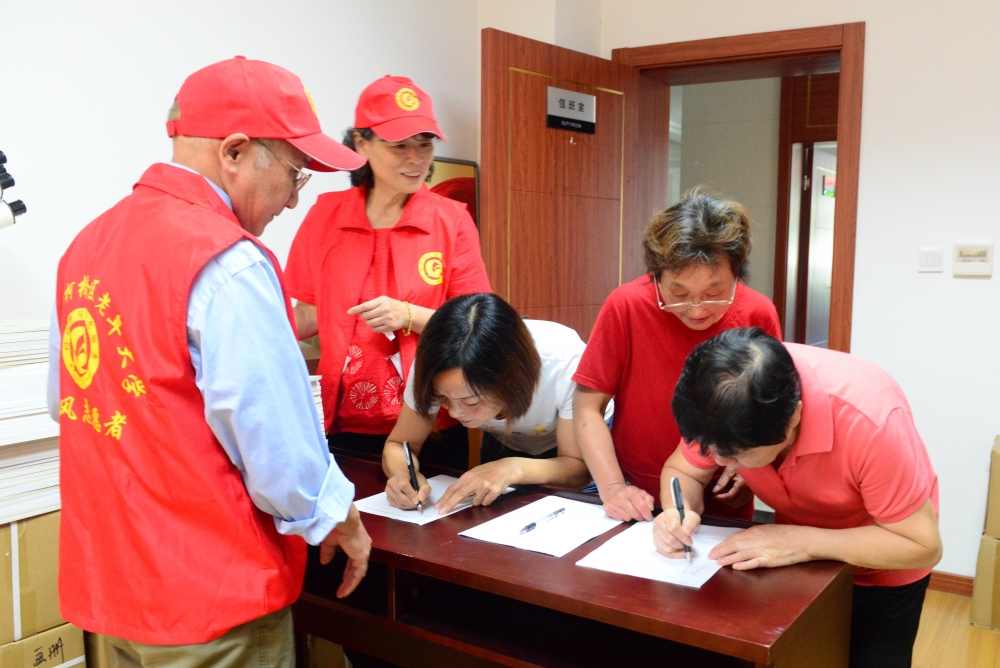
{"x":697,"y":255}
{"x":369,"y":266}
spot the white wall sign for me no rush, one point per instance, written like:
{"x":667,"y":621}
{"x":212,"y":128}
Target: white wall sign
{"x":569,"y":110}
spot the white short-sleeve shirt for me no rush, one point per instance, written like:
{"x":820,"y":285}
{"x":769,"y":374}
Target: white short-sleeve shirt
{"x":560,"y":349}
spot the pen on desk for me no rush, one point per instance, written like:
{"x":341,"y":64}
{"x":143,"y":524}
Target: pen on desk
{"x":534,"y":525}
{"x":675,"y":487}
{"x":413,"y":475}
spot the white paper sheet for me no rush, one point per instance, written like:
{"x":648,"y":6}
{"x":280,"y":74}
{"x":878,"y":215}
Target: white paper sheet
{"x":632,"y":553}
{"x":379,"y":503}
{"x":581,"y":522}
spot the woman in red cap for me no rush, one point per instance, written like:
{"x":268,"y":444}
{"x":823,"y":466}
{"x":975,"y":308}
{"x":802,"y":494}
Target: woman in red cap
{"x":370,"y":265}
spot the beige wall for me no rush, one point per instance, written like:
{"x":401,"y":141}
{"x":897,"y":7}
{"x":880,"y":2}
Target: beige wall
{"x":730,"y":145}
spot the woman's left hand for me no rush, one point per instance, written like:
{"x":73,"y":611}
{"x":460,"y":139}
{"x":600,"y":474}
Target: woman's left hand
{"x":383,"y":314}
{"x":735,"y":496}
{"x":764,"y":546}
{"x":485,"y":484}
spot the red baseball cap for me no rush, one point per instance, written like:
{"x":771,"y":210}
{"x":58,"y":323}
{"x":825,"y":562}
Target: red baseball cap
{"x":394,"y":109}
{"x":263,"y":101}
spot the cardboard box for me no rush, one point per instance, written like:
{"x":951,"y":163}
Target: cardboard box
{"x":986,"y":590}
{"x":32,"y":606}
{"x":60,"y":647}
{"x":993,"y":496}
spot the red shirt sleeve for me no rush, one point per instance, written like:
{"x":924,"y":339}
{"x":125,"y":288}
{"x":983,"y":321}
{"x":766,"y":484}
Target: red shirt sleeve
{"x":692,"y":453}
{"x":893,"y":470}
{"x":299,"y":270}
{"x":469,"y":273}
{"x":606,"y":356}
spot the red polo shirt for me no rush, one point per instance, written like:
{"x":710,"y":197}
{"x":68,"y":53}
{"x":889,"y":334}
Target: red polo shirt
{"x":435,"y":256}
{"x":636,"y":353}
{"x":858,"y":457}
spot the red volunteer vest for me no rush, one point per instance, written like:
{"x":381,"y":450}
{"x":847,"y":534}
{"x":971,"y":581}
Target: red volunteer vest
{"x":159,"y":540}
{"x":435,"y":256}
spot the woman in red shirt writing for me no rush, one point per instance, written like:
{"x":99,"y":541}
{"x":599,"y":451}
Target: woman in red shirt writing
{"x":370,"y":265}
{"x":697,"y":255}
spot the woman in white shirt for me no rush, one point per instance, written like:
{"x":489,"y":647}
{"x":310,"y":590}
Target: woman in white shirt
{"x":493,"y":371}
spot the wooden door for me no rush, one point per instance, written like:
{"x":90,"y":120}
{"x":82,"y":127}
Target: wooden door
{"x":563,"y":213}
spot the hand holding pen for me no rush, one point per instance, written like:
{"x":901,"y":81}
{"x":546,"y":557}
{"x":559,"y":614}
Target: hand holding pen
{"x":402,"y":492}
{"x":673,"y":528}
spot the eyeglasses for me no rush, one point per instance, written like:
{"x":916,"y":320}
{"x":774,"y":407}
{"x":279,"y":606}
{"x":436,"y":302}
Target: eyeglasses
{"x":300,"y":179}
{"x":681,"y":307}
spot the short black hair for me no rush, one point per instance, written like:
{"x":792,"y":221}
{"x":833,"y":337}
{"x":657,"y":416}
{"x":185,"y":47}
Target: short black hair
{"x":738,"y":390}
{"x":484,"y":336}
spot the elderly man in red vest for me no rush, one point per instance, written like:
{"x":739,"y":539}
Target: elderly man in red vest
{"x":194,"y":470}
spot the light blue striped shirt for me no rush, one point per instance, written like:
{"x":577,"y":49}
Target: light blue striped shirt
{"x":258,"y":401}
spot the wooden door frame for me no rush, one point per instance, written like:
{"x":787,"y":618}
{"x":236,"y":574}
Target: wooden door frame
{"x":848,"y":42}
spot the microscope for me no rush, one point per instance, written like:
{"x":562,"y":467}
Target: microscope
{"x":8,"y":211}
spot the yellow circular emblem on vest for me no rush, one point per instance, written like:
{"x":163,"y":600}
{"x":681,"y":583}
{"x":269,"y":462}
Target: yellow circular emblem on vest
{"x":407,"y":100}
{"x":431,"y":268}
{"x":81,"y":351}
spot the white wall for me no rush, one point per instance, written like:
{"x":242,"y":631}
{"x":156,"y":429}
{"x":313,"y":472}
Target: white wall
{"x":928,"y":177}
{"x":573,"y":24}
{"x":730,"y":145}
{"x":87,"y":86}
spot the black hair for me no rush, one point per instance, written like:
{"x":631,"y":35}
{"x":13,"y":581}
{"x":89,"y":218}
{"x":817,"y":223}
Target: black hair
{"x":363,"y":175}
{"x":484,"y":336}
{"x":738,"y":390}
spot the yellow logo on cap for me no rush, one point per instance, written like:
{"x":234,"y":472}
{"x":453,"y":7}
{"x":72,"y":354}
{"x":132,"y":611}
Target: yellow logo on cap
{"x":431,"y":268}
{"x":81,"y":351}
{"x":311,"y":103}
{"x":407,"y":100}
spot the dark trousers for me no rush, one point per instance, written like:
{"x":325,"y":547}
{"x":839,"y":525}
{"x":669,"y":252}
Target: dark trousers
{"x":448,"y":448}
{"x":884,"y":624}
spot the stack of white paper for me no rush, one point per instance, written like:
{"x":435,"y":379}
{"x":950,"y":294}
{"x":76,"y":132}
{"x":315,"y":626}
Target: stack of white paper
{"x":29,"y":445}
{"x":318,"y":399}
{"x":378,"y":504}
{"x":632,"y":552}
{"x":29,"y":479}
{"x":24,"y":369}
{"x":23,"y":342}
{"x":575,"y":524}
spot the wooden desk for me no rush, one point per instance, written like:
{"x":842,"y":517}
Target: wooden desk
{"x":433,"y":598}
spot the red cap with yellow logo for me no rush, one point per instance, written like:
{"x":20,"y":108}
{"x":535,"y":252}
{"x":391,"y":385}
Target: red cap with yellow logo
{"x":394,"y":109}
{"x":261,"y":100}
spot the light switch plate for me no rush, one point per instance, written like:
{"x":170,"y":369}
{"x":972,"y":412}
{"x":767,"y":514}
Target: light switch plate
{"x":930,"y":260}
{"x":973,"y":259}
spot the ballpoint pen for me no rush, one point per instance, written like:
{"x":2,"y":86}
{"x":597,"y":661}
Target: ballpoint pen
{"x":551,"y":516}
{"x":413,"y":475}
{"x":675,"y":487}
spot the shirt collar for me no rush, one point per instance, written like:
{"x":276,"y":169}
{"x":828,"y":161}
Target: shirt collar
{"x":218,"y":191}
{"x":413,"y":211}
{"x":816,"y":425}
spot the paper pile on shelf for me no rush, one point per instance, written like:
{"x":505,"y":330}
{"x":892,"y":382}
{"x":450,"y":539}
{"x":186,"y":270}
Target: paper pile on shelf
{"x":29,"y":479}
{"x":23,"y":342}
{"x":29,"y":444}
{"x":24,"y":369}
{"x":314,"y":382}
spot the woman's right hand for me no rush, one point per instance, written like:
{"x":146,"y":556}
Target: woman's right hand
{"x":670,"y":536}
{"x":626,"y":502}
{"x":401,"y":494}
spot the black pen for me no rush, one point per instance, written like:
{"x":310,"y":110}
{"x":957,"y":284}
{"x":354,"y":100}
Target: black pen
{"x":675,"y":487}
{"x":551,"y":516}
{"x":413,"y":475}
